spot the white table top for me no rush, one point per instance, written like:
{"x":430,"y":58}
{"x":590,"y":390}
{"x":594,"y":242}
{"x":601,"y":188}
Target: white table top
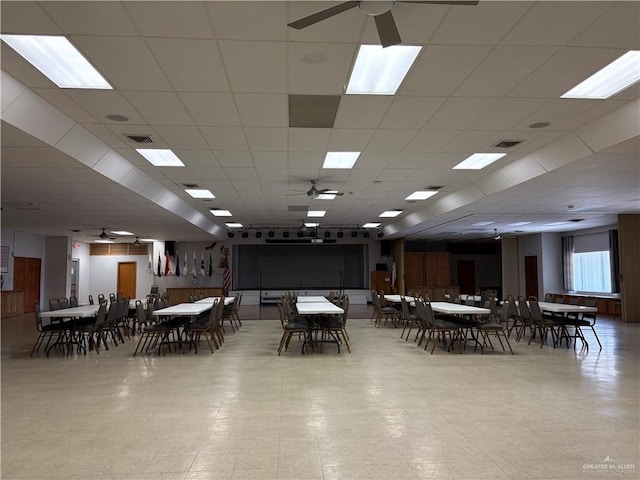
{"x":183,"y":309}
{"x":565,"y":308}
{"x":210,"y":300}
{"x":312,"y":299}
{"x":315,"y":308}
{"x":398,"y":298}
{"x":457,"y":309}
{"x":73,"y":312}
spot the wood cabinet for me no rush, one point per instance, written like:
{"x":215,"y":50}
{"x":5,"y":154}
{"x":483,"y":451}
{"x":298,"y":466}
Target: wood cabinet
{"x":427,"y":268}
{"x":12,"y":304}
{"x":181,"y":295}
{"x":381,"y":281}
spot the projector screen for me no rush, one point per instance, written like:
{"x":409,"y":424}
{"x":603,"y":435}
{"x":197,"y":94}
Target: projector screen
{"x":295,"y":267}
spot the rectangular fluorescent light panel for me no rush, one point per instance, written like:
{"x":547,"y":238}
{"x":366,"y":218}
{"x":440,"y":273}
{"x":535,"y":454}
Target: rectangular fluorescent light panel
{"x":518,"y":224}
{"x":58,"y":60}
{"x":482,"y":224}
{"x":234,"y":225}
{"x":105,"y":241}
{"x":380,"y":71}
{"x":555,"y":224}
{"x":160,"y":157}
{"x":615,"y":77}
{"x":371,"y":225}
{"x":421,"y":195}
{"x":340,"y":159}
{"x":221,"y":213}
{"x":316,"y":213}
{"x":121,"y":232}
{"x":311,"y":224}
{"x":326,"y":196}
{"x":478,"y":161}
{"x":148,"y":240}
{"x":199,"y":193}
{"x":390,"y":213}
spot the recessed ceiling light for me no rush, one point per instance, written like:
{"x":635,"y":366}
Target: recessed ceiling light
{"x":340,"y":159}
{"x":540,"y":125}
{"x":326,"y":196}
{"x":615,"y":77}
{"x":121,"y":232}
{"x":58,"y":60}
{"x":371,"y":225}
{"x":220,"y":213}
{"x":311,"y":224}
{"x":199,"y":193}
{"x":518,"y":224}
{"x":380,"y":71}
{"x":148,"y":240}
{"x":316,"y":213}
{"x":421,"y":195}
{"x":478,"y":161}
{"x":117,"y":118}
{"x":482,"y":224}
{"x":160,"y":157}
{"x":234,"y":225}
{"x":390,"y":213}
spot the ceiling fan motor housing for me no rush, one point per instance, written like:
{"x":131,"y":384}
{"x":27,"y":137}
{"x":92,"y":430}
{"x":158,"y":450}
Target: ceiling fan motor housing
{"x":376,"y":7}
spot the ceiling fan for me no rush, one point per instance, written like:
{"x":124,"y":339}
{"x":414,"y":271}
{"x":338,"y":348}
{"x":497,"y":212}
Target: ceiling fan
{"x":313,"y":192}
{"x":105,"y":236}
{"x":380,"y":10}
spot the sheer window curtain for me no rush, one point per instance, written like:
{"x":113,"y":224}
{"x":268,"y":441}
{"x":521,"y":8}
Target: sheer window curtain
{"x":614,"y":256}
{"x":567,"y":263}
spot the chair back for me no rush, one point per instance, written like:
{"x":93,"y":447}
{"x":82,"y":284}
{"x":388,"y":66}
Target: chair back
{"x":73,"y":301}
{"x":523,"y":309}
{"x":100,"y":316}
{"x":91,"y":299}
{"x":469,"y":301}
{"x":112,"y":297}
{"x":36,"y":312}
{"x":54,"y":304}
{"x":345,"y":307}
{"x":405,"y":308}
{"x":112,"y":313}
{"x":509,"y":310}
{"x":536,"y":313}
{"x":141,"y":314}
{"x":64,"y":303}
{"x":101,"y":298}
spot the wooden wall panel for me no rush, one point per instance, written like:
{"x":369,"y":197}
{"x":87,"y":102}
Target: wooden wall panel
{"x":628,"y":235}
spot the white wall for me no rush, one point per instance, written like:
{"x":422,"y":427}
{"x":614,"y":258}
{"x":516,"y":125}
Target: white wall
{"x":551,"y":263}
{"x":510,"y":267}
{"x":103,"y":275}
{"x":80,"y":251}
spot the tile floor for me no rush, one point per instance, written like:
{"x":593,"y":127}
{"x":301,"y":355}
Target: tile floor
{"x":386,"y":411}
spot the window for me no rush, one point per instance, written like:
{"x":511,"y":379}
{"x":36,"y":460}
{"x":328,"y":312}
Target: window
{"x":592,"y":271}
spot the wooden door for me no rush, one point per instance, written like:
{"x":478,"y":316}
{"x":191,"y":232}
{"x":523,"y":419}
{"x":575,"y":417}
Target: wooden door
{"x":531,"y":276}
{"x":414,"y":270}
{"x":467,"y":276}
{"x":26,"y":278}
{"x":127,"y":279}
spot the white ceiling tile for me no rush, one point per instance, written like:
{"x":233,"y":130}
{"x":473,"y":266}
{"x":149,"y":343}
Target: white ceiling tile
{"x":411,"y":112}
{"x":349,"y":140}
{"x":211,"y":109}
{"x":362,"y":111}
{"x":267,"y":139}
{"x":261,"y":110}
{"x":625,"y":16}
{"x":319,"y":69}
{"x":458,"y":113}
{"x":234,"y":158}
{"x":225,"y":138}
{"x":305,"y":160}
{"x":160,"y":108}
{"x":91,"y":18}
{"x":126,"y":62}
{"x":27,"y":17}
{"x":505,"y":113}
{"x":80,"y":144}
{"x":249,"y":20}
{"x":311,"y":139}
{"x":181,"y":137}
{"x":482,"y":24}
{"x":176,"y":59}
{"x":170,"y":19}
{"x":270,"y":159}
{"x":440,"y":69}
{"x":206,"y":174}
{"x":431,"y":140}
{"x":470,"y":141}
{"x":101,"y":103}
{"x":390,"y":140}
{"x":560,"y":19}
{"x":503,"y":69}
{"x":58,"y":99}
{"x":256,"y":67}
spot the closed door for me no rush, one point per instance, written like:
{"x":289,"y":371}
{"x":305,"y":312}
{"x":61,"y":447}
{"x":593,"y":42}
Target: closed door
{"x":127,"y":279}
{"x":26,"y":278}
{"x":531,"y":276}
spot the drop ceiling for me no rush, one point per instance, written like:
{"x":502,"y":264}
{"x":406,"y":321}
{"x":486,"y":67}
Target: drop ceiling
{"x":212,"y":81}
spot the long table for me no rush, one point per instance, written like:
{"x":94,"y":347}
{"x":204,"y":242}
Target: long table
{"x":564,"y":309}
{"x":189,"y":310}
{"x":73,"y":313}
{"x":314,"y":306}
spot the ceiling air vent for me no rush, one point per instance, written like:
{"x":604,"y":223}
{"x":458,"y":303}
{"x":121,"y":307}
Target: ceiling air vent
{"x":508,"y":143}
{"x":190,"y":185}
{"x":139,"y":138}
{"x":434,"y":188}
{"x":576,"y":220}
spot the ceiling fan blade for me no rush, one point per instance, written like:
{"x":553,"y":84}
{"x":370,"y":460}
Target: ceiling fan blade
{"x":442,"y":2}
{"x":328,"y":191}
{"x":322,"y":15}
{"x":294,"y":194}
{"x":387,"y":30}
